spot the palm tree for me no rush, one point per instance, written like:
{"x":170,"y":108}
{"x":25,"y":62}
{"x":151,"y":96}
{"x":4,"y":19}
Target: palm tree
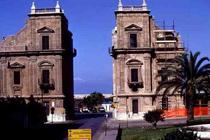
{"x":190,"y":77}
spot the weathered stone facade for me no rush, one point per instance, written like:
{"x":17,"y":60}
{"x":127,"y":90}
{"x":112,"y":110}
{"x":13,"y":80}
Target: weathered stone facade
{"x":140,"y":50}
{"x":38,"y":61}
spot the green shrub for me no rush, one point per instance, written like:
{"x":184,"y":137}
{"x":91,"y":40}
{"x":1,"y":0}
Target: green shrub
{"x":154,"y":116}
{"x":198,"y":121}
{"x":181,"y":134}
{"x":146,"y":133}
{"x":16,"y":113}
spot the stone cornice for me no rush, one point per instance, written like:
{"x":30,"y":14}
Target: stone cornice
{"x":45,"y":14}
{"x":40,"y":96}
{"x":35,"y":53}
{"x":172,"y":49}
{"x":140,"y":94}
{"x":131,"y":12}
{"x":136,"y":50}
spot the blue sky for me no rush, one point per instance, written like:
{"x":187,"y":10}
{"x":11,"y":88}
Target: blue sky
{"x":92,"y":21}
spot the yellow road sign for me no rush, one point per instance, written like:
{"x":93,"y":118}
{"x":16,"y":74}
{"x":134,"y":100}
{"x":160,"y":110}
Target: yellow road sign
{"x":79,"y":134}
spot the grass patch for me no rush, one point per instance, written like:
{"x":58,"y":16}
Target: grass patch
{"x":146,"y":134}
{"x":159,"y":133}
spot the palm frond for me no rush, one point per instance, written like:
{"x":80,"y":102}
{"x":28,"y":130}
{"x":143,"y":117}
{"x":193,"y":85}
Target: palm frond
{"x":203,"y":68}
{"x":200,"y":62}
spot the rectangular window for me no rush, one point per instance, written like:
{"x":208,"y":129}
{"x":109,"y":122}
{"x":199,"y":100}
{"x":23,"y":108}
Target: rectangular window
{"x":134,"y":75}
{"x":164,"y":78}
{"x":163,"y":75}
{"x":165,"y":103}
{"x":133,"y":40}
{"x":45,"y":42}
{"x":45,"y":76}
{"x":17,"y":77}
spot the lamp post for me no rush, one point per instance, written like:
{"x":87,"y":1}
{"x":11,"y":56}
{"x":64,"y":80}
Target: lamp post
{"x":52,"y":109}
{"x":106,"y":117}
{"x":42,"y":95}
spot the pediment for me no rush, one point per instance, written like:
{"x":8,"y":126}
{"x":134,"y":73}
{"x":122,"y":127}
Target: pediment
{"x":15,"y":65}
{"x":45,"y":30}
{"x":46,"y":64}
{"x":133,"y":27}
{"x":134,"y":62}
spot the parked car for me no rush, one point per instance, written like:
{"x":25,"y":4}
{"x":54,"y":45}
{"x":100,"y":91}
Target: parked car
{"x":94,"y":110}
{"x":85,"y":110}
{"x":101,"y":109}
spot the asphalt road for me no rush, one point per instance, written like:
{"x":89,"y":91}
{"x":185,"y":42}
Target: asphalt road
{"x":91,"y":121}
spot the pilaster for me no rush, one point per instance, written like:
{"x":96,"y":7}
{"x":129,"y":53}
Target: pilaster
{"x":34,"y":77}
{"x":4,"y":76}
{"x":122,"y":73}
{"x":147,"y":63}
{"x":58,"y":83}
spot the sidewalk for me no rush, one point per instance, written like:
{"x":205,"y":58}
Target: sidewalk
{"x":107,"y":131}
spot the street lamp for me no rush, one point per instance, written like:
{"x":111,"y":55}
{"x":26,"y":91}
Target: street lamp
{"x":106,"y":116}
{"x":52,"y":109}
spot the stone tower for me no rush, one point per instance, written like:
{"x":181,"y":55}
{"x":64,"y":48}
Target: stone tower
{"x":140,"y":50}
{"x":38,"y":61}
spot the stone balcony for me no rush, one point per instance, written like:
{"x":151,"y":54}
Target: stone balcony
{"x":132,"y":8}
{"x":56,"y":9}
{"x":45,"y":87}
{"x":46,"y":11}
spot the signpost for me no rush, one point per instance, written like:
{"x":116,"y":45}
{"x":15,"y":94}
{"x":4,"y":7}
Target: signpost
{"x":79,"y":134}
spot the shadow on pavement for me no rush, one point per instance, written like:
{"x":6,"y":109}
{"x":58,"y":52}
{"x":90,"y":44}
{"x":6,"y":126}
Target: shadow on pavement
{"x":46,"y":132}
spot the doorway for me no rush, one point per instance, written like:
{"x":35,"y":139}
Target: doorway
{"x":135,"y":108}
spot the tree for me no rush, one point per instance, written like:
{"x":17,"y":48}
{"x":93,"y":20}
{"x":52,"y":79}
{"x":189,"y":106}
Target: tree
{"x":16,"y":113}
{"x":13,"y":112}
{"x":93,"y":100}
{"x":154,"y":116}
{"x":36,"y":113}
{"x":189,"y":76}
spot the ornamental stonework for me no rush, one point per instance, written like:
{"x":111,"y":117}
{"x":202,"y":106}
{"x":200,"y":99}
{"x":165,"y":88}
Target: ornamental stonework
{"x":137,"y":38}
{"x":38,"y":61}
